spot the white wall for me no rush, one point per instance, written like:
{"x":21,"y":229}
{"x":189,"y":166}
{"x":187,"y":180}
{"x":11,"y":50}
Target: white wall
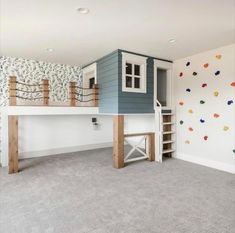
{"x":218,"y":150}
{"x":45,"y":135}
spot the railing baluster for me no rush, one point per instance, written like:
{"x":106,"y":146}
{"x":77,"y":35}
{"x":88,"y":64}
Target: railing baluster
{"x":95,"y":95}
{"x":72,"y":92}
{"x":12,"y":91}
{"x":45,"y":92}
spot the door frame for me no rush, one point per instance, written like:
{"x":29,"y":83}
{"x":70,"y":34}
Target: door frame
{"x":168,"y":67}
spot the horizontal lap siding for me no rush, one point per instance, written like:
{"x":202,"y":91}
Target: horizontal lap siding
{"x":129,"y":102}
{"x":107,"y":75}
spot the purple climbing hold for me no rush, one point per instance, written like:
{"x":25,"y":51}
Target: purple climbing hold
{"x":188,"y":63}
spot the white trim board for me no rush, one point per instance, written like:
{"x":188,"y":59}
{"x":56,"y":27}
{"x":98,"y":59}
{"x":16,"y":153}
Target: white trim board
{"x":64,"y":150}
{"x":206,"y":162}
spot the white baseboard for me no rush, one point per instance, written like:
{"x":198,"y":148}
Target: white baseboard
{"x":206,"y":162}
{"x":33,"y":154}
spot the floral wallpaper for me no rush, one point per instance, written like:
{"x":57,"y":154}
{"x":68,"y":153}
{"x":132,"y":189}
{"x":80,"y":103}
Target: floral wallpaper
{"x":33,"y":72}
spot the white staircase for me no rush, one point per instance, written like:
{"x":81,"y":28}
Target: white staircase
{"x":164,"y":131}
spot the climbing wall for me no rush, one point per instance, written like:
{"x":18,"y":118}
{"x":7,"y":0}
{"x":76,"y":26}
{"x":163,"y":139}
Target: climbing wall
{"x":205,"y":105}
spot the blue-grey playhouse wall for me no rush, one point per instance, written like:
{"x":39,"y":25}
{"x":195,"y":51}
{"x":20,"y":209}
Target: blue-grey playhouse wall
{"x":107,"y":77}
{"x":111,"y":97}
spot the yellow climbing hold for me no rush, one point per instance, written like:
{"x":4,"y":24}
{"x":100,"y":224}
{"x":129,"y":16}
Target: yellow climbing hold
{"x":187,"y":142}
{"x":216,"y":93}
{"x":218,"y":56}
{"x":226,"y":128}
{"x":190,"y":111}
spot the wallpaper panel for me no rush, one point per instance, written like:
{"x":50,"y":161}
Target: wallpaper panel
{"x":30,"y":71}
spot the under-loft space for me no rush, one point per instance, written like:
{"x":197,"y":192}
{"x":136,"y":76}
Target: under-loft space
{"x":117,"y":116}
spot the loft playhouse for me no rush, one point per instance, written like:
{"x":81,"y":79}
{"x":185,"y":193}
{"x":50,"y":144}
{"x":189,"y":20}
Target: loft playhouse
{"x":118,"y":84}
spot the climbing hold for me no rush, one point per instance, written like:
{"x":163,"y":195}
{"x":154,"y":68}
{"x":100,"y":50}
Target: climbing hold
{"x":190,"y":129}
{"x":230,"y":102}
{"x":216,"y":115}
{"x":181,"y":74}
{"x":234,"y":151}
{"x":194,"y":73}
{"x":181,"y":103}
{"x":218,"y":56}
{"x":205,"y":65}
{"x":233,"y":84}
{"x":204,"y":85}
{"x":188,"y":90}
{"x":190,"y":111}
{"x":217,"y":72}
{"x":202,"y":120}
{"x":205,"y":138}
{"x":226,"y":128}
{"x":216,"y":93}
{"x":202,"y":101}
{"x":187,"y":142}
{"x":188,"y":63}
{"x":181,"y":122}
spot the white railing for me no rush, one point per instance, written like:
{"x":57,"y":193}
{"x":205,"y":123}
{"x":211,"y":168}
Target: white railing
{"x":158,"y":131}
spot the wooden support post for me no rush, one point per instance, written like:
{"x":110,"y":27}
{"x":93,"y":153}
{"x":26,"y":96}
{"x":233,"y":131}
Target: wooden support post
{"x":95,"y":94}
{"x":118,"y":141}
{"x":45,"y":91}
{"x":72,"y":90}
{"x":12,"y":91}
{"x":151,"y":146}
{"x":13,"y":143}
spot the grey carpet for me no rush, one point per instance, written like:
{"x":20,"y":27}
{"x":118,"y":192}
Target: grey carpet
{"x":82,"y":193}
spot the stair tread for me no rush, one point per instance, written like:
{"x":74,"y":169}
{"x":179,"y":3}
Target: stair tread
{"x":168,"y":132}
{"x":167,"y":114}
{"x":169,"y":141}
{"x":168,"y":151}
{"x":168,"y":123}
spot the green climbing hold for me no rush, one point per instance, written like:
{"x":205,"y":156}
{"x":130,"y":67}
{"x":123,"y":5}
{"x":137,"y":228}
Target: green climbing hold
{"x":202,"y":101}
{"x":181,"y":122}
{"x":194,"y":73}
{"x":234,"y":151}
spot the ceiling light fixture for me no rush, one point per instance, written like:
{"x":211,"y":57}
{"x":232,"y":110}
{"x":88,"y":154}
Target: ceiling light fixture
{"x":172,"y":40}
{"x":82,"y":10}
{"x":49,"y":50}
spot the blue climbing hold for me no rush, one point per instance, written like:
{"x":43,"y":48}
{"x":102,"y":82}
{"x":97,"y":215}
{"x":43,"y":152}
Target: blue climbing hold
{"x":202,"y":121}
{"x":230,"y":102}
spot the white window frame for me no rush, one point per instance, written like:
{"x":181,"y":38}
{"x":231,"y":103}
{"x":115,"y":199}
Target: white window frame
{"x":137,"y":60}
{"x":87,"y":72}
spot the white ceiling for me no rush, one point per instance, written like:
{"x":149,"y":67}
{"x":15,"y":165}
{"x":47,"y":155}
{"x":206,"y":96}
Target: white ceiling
{"x":28,"y":27}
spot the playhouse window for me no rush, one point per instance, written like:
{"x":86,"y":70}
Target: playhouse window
{"x":134,"y":73}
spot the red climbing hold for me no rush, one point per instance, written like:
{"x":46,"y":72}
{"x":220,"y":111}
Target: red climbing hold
{"x":206,"y":65}
{"x":233,"y":84}
{"x":204,"y":85}
{"x":181,"y":74}
{"x":216,"y":115}
{"x":190,"y":129}
{"x":205,"y":138}
{"x":181,"y":103}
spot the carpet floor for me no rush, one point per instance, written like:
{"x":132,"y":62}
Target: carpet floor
{"x":82,"y":193}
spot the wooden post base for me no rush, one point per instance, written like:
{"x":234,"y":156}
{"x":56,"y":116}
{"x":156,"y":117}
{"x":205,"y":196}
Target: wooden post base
{"x":151,"y":146}
{"x":118,"y":141}
{"x":13,"y":143}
